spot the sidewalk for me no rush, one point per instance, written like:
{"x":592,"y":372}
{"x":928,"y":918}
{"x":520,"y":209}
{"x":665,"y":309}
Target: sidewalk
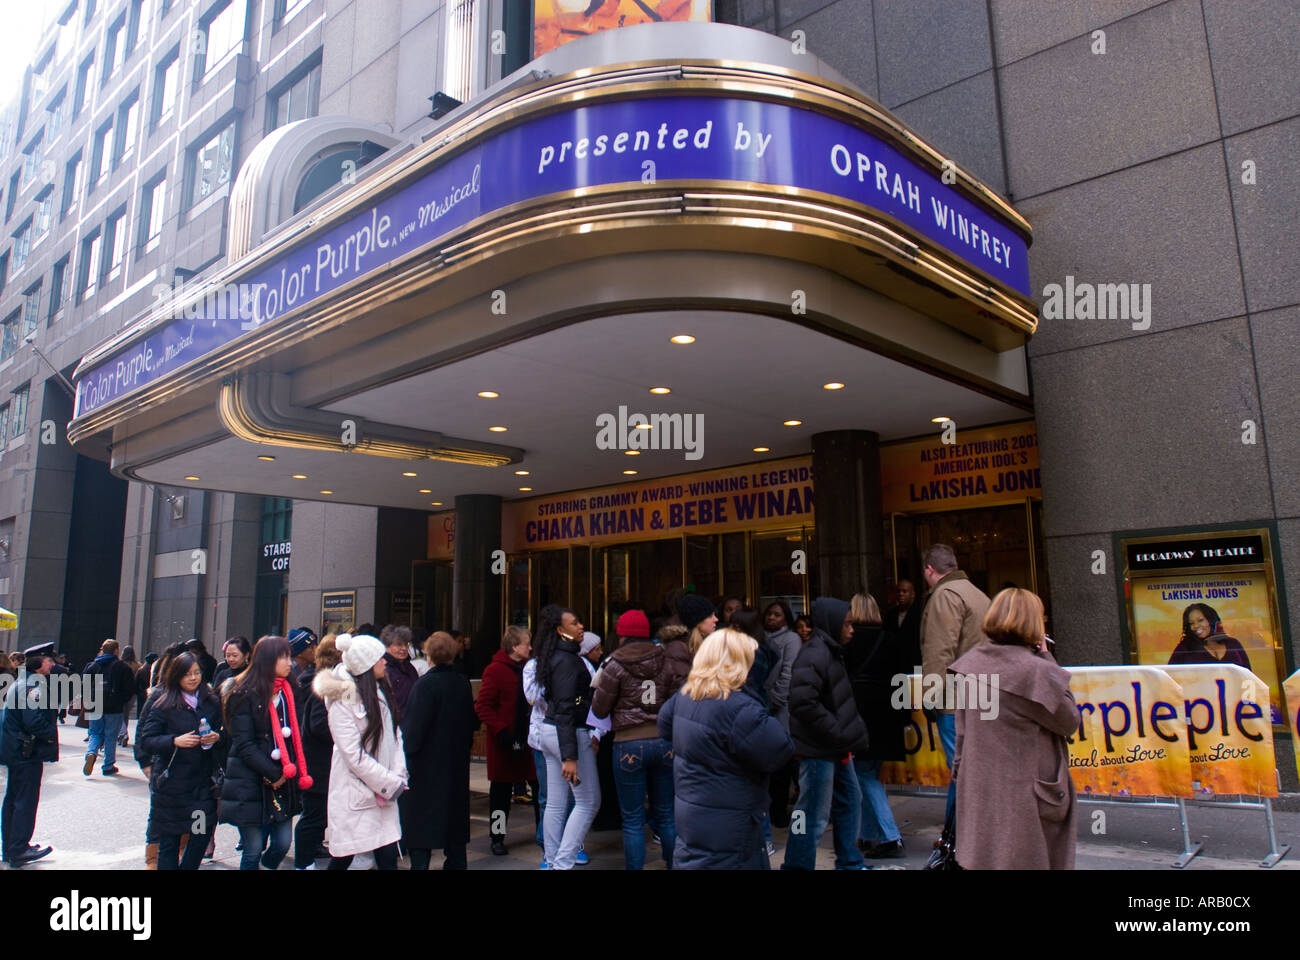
{"x":97,"y":823}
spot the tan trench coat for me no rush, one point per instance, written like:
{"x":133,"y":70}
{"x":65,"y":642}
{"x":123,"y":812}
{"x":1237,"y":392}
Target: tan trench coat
{"x":951,"y":623}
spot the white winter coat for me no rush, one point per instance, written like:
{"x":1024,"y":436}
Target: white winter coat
{"x":358,"y":821}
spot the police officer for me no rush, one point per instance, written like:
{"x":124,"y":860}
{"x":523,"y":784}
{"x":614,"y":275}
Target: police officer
{"x":29,"y":737}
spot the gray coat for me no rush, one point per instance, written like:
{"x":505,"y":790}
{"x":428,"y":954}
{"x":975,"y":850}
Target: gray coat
{"x":1015,"y":798}
{"x":787,"y":644}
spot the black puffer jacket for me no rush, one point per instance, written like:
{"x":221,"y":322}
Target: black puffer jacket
{"x":317,"y":743}
{"x":246,"y":798}
{"x":568,"y":696}
{"x":824,"y":718}
{"x":187,"y":787}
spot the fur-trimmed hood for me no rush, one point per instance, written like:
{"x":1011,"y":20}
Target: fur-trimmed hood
{"x":334,"y":685}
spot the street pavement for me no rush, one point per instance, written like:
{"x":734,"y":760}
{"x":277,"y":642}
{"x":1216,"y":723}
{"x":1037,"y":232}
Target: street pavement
{"x":98,"y":823}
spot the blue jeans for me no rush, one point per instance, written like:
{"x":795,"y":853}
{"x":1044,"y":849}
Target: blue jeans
{"x":948,"y":737}
{"x":564,"y":832}
{"x":103,"y":733}
{"x":539,"y":761}
{"x":877,"y":819}
{"x":641,"y":766}
{"x":829,"y":793}
{"x":254,"y":839}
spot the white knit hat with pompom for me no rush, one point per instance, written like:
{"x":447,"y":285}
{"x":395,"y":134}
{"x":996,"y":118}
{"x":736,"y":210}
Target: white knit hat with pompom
{"x":360,"y":653}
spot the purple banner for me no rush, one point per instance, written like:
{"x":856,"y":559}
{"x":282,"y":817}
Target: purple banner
{"x":625,"y":142}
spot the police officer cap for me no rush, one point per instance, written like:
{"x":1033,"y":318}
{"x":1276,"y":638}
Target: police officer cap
{"x":40,"y":650}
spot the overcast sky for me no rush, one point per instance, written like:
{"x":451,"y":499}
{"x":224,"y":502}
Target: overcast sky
{"x":20,"y":29}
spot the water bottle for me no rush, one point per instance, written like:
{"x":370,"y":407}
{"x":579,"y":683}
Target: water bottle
{"x":204,"y":730}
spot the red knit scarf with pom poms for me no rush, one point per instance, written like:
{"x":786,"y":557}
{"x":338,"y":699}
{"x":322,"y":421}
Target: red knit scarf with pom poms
{"x":282,"y":686}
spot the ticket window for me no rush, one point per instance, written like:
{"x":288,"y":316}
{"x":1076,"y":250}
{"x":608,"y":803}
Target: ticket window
{"x":783,"y":564}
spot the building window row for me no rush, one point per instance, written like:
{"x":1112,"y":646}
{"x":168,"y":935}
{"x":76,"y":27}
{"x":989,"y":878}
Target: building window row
{"x":13,"y":414}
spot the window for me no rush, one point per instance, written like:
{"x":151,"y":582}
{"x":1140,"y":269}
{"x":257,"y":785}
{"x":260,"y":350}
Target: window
{"x":128,"y":121}
{"x":101,"y":160}
{"x":58,"y":110}
{"x":114,"y":47}
{"x":115,"y":249}
{"x":90,"y":10}
{"x":14,"y":183}
{"x":166,"y":79}
{"x":212,"y":164}
{"x":4,"y":424}
{"x":31,"y":308}
{"x":224,"y":30}
{"x":153,"y":211}
{"x":44,"y":214}
{"x":72,"y":174}
{"x":67,"y":33}
{"x":9,"y":340}
{"x":88,"y":277}
{"x":83,"y":83}
{"x":132,"y":28}
{"x":285,"y":9}
{"x":18,"y":419}
{"x":301,"y":98}
{"x":462,"y":60}
{"x":58,"y":284}
{"x":22,"y":244}
{"x":32,"y":158}
{"x":4,"y":270}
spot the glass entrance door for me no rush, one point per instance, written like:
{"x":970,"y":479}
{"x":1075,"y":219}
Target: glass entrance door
{"x":431,"y":583}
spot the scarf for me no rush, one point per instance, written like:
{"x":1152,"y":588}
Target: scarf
{"x":285,"y":689}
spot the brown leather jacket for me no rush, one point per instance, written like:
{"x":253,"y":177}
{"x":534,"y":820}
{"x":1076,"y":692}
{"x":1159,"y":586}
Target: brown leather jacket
{"x":635,"y":682}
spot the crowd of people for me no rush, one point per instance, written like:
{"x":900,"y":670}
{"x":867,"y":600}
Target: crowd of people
{"x":701,"y":720}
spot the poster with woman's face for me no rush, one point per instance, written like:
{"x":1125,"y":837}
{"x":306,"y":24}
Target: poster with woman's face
{"x":1208,"y":618}
{"x":556,"y":22}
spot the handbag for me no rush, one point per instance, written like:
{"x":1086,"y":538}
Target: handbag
{"x":218,"y":783}
{"x":944,"y":856}
{"x":156,"y":776}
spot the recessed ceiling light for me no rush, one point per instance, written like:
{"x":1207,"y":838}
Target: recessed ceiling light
{"x":629,"y":473}
{"x":683,"y":338}
{"x":792,"y":423}
{"x":762,"y":449}
{"x":407,"y":473}
{"x":488,"y":394}
{"x":632,"y":453}
{"x":191,"y":478}
{"x":833,"y":385}
{"x":327,"y":492}
{"x":266,"y":458}
{"x":521,"y":473}
{"x":426,"y":491}
{"x":940,"y":419}
{"x":525,"y":489}
{"x":661,"y":390}
{"x":497,"y":429}
{"x":300,"y":476}
{"x":435,"y":503}
{"x":642,"y":426}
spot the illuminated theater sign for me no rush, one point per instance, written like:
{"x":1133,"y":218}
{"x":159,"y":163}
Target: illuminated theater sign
{"x":642,"y":142}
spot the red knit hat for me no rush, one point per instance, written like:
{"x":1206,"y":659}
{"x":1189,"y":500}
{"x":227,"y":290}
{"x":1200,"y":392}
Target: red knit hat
{"x":633,"y":624}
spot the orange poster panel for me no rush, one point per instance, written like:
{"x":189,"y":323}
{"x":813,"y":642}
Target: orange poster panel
{"x":556,"y":22}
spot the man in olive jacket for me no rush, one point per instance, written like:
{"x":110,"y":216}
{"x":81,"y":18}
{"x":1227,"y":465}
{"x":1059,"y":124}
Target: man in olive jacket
{"x":951,"y":624}
{"x":827,"y":729}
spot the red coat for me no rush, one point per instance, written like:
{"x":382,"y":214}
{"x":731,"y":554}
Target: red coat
{"x":501,"y":706}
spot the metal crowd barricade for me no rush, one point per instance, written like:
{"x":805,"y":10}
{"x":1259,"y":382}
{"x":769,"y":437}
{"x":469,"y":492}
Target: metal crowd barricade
{"x":1190,"y":849}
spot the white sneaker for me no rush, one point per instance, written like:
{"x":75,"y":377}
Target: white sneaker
{"x":363,"y":861}
{"x":311,"y":867}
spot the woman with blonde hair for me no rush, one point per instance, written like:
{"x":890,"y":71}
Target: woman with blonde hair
{"x":725,"y":746}
{"x":1015,"y":799}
